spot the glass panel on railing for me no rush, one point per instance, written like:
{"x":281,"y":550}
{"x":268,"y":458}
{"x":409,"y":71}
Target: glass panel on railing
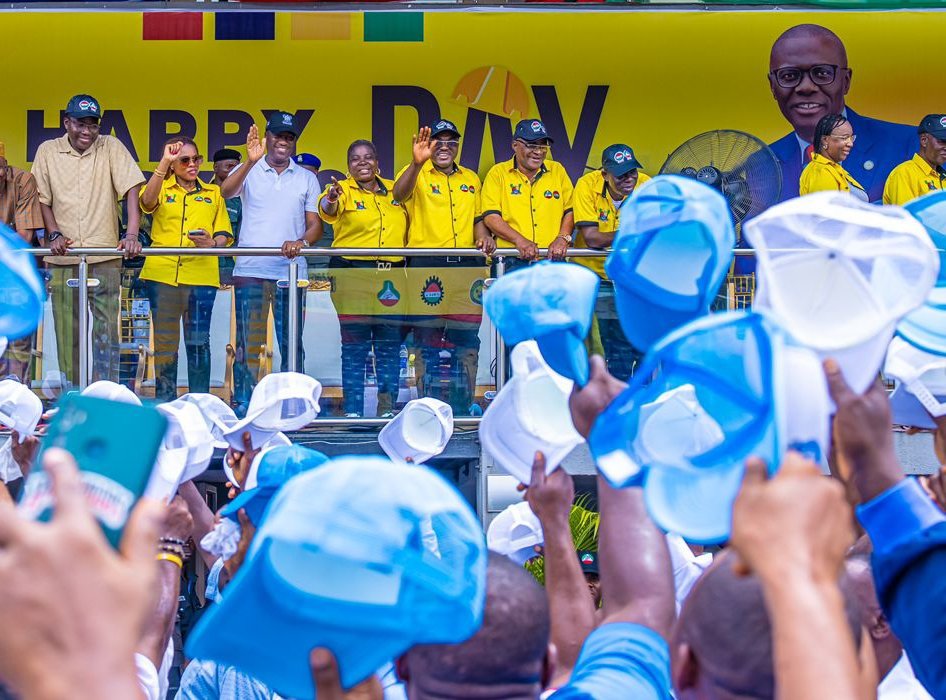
{"x":377,"y":336}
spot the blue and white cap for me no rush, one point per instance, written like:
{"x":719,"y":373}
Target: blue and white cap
{"x":919,"y":394}
{"x":551,"y":303}
{"x":839,"y":274}
{"x":670,"y":256}
{"x":707,"y":397}
{"x":22,"y":292}
{"x":925,"y":328}
{"x":339,"y":562}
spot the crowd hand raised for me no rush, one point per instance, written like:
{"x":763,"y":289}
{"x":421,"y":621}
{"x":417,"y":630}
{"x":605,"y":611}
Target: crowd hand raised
{"x":77,"y":605}
{"x":935,"y":486}
{"x":328,"y":681}
{"x":240,"y":462}
{"x":798,"y":522}
{"x":588,"y":402}
{"x":255,"y":149}
{"x":178,"y":522}
{"x":247,"y":532}
{"x":550,"y":496}
{"x":24,"y":452}
{"x":422,"y":147}
{"x":863,"y":439}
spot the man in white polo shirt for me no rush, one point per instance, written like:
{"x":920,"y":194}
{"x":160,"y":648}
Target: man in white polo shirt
{"x":280,"y":204}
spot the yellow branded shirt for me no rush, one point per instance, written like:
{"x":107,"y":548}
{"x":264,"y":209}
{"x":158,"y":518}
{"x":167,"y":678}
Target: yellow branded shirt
{"x":177,"y":212}
{"x":594,"y":207}
{"x":912,"y":179}
{"x":823,"y":174}
{"x":367,"y":219}
{"x":443,"y":207}
{"x":534,"y":209}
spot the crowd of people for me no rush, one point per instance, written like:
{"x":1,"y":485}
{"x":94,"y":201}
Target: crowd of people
{"x":824,"y":590}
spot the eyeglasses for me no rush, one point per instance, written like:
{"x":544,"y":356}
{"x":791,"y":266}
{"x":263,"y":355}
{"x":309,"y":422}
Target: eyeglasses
{"x":791,"y":76}
{"x":534,"y":147}
{"x":187,"y":160}
{"x":449,"y":144}
{"x":845,"y":138}
{"x":83,"y":126}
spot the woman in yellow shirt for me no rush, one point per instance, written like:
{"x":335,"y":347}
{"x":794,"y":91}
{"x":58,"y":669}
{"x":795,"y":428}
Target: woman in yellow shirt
{"x":187,"y":213}
{"x":834,"y":139}
{"x":364,"y":214}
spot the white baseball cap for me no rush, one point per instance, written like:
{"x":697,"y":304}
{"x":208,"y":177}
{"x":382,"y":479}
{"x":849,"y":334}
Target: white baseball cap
{"x":515,"y":532}
{"x":839,"y":275}
{"x":20,"y":408}
{"x":420,"y":431}
{"x":104,"y":389}
{"x":530,"y":413}
{"x":920,"y":392}
{"x":218,"y":416}
{"x":281,"y":401}
{"x":185,"y":451}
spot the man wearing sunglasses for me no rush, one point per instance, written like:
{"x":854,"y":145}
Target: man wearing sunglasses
{"x":809,"y":78}
{"x":598,"y":198}
{"x":527,"y":201}
{"x":80,"y":177}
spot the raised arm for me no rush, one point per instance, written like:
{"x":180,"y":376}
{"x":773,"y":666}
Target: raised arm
{"x":636,"y":576}
{"x":421,"y":150}
{"x":570,"y":605}
{"x":255,"y":150}
{"x":792,"y":532}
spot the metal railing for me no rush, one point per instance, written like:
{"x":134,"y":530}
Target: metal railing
{"x":292,"y":282}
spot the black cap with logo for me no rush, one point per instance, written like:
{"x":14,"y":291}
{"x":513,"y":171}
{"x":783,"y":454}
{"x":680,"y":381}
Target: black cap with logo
{"x":82,"y":106}
{"x":280,"y":122}
{"x":934,"y":124}
{"x":531,"y":130}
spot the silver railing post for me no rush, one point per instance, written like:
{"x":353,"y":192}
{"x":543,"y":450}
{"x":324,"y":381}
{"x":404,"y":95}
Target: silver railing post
{"x":83,"y":323}
{"x":292,"y":334}
{"x":500,"y":343}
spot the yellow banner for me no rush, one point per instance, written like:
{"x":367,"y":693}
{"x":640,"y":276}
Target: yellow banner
{"x":651,"y":79}
{"x":418,"y":293}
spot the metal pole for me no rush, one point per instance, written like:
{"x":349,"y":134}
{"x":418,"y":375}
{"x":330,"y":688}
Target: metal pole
{"x":83,"y":312}
{"x":293,"y":350}
{"x":500,"y":343}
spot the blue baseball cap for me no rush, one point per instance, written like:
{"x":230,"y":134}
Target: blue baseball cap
{"x":81,"y":106}
{"x":308,"y":159}
{"x":22,"y":292}
{"x":552,"y":303}
{"x":618,"y":159}
{"x":707,"y":397}
{"x":276,"y":467}
{"x":340,"y":562}
{"x":925,"y":328}
{"x":670,"y":256}
{"x":531,"y":130}
{"x":282,"y":122}
{"x":444,"y":126}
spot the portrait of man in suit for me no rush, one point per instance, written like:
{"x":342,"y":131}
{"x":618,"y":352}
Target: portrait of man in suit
{"x":809,"y":77}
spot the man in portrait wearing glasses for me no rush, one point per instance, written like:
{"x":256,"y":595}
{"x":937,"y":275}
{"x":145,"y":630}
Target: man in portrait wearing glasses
{"x":598,"y":198}
{"x":809,"y":78}
{"x":81,"y":176}
{"x":443,"y":201}
{"x":527,"y":201}
{"x":280,"y":201}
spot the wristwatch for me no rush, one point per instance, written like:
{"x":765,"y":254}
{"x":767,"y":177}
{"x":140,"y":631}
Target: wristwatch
{"x":53,"y":235}
{"x":566,"y":236}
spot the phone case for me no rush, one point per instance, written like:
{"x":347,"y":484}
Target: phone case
{"x":115,"y":445}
